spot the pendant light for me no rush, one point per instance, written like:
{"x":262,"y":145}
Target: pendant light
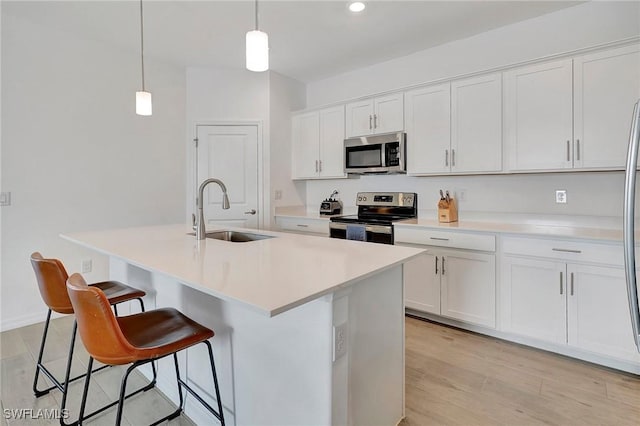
{"x":143,"y":98}
{"x":257,"y":48}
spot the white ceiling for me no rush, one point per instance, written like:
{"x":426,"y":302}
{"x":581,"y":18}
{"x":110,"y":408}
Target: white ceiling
{"x":309,"y":40}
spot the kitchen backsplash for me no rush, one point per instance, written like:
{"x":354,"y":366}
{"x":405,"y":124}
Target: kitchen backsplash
{"x":588,"y":193}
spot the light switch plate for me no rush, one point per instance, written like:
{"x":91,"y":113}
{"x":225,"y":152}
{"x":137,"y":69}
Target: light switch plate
{"x":5,"y":198}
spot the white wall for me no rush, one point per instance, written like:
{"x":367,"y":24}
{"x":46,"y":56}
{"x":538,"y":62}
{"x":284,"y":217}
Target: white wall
{"x":74,"y":154}
{"x":593,"y":194}
{"x":285,"y":95}
{"x":238,"y":95}
{"x":578,"y":27}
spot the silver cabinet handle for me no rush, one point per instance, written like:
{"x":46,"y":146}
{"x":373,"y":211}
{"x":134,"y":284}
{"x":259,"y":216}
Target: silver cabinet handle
{"x":436,"y":265}
{"x":375,"y":121}
{"x":446,"y":157}
{"x":568,"y":150}
{"x":439,"y":239}
{"x":302,"y":226}
{"x":442,"y":265}
{"x":561,"y":283}
{"x":453,"y":157}
{"x":320,"y":162}
{"x":316,"y":166}
{"x":566,"y":250}
{"x":252,"y":211}
{"x":572,"y":283}
{"x":578,"y":149}
{"x":370,"y":118}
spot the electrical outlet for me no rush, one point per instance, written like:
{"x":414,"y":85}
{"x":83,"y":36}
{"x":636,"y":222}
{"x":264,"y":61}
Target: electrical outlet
{"x":340,"y":340}
{"x":561,"y":196}
{"x":5,"y":198}
{"x":86,"y":266}
{"x":278,"y":194}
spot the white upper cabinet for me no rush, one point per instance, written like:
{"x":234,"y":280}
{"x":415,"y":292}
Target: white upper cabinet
{"x":538,"y":113}
{"x":573,"y":113}
{"x":317,"y":140}
{"x":305,"y":140}
{"x":606,"y":86}
{"x":455,"y":127}
{"x":383,"y":114}
{"x":476,"y":124}
{"x":331,"y":162}
{"x":428,"y":127}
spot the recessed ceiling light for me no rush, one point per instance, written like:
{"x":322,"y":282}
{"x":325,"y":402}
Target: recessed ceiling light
{"x":356,"y":6}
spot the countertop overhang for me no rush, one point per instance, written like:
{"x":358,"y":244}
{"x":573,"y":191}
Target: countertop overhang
{"x":269,"y":276}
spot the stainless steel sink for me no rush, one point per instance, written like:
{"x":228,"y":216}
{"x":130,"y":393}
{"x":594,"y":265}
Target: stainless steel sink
{"x":235,"y":236}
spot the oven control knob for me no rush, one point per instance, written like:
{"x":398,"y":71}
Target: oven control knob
{"x":364,"y":198}
{"x":359,"y":198}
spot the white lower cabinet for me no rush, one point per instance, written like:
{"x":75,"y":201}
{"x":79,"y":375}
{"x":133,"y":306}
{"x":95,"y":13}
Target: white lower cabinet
{"x":453,"y":283}
{"x":422,"y":284}
{"x":566,"y":302}
{"x":303,"y":225}
{"x":468,"y":287}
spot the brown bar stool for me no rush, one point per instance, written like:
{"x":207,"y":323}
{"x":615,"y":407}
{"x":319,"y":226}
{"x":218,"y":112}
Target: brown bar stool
{"x":137,"y":340}
{"x":52,"y":276}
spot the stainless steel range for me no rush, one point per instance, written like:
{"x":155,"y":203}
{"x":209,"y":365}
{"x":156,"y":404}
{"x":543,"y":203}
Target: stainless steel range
{"x":377,"y":211}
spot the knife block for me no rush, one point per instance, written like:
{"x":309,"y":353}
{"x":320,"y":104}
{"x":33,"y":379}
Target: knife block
{"x":447,"y":211}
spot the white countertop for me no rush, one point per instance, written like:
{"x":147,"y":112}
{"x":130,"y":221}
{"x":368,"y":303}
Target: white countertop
{"x":271,"y":275}
{"x":607,"y":228}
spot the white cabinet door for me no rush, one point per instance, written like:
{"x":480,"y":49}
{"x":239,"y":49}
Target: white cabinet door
{"x":468,"y":287}
{"x":359,"y":118}
{"x":476,"y":124}
{"x":305,"y":141}
{"x":422,"y":284}
{"x":598,"y":311}
{"x":332,"y":142}
{"x":427,"y":123}
{"x":606,"y":86}
{"x":538,"y":113}
{"x":388,"y":113}
{"x":384,"y":114}
{"x":533,"y":298}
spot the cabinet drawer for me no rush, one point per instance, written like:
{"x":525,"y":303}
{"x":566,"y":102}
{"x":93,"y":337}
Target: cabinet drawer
{"x":445,"y":238}
{"x":565,"y":250}
{"x":304,"y":225}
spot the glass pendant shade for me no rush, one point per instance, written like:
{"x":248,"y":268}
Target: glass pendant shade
{"x":257,"y":51}
{"x":143,"y":103}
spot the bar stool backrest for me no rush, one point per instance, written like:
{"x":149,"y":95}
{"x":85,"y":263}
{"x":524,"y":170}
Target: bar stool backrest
{"x":52,"y":276}
{"x":97,"y":324}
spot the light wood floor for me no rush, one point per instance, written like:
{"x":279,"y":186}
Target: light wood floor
{"x":453,"y":377}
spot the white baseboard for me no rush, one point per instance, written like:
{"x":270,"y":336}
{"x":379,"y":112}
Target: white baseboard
{"x":24,"y":320}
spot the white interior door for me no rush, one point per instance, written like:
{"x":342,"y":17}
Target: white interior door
{"x":229,"y":153}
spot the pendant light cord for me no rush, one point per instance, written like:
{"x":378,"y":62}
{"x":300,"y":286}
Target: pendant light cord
{"x":256,"y":15}
{"x":142,"y":44}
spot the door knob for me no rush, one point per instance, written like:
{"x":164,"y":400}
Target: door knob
{"x":252,"y":211}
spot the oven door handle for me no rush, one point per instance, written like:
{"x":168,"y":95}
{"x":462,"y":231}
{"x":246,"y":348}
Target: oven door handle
{"x":377,"y":229}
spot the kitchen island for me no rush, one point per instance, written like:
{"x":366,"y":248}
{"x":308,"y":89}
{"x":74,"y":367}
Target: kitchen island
{"x":308,"y":330}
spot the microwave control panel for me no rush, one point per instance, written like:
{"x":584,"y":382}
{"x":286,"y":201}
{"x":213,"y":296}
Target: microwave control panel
{"x":392,"y":153}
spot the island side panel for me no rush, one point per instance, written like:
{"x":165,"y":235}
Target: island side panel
{"x":376,"y":349}
{"x":272,"y":371}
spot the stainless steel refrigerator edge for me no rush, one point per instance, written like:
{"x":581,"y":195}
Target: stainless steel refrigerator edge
{"x":628,"y":227}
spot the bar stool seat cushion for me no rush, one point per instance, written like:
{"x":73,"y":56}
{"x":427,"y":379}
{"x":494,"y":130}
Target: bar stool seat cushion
{"x":118,"y":292}
{"x":123,"y":340}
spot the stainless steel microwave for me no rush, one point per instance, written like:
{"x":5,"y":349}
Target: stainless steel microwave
{"x":375,"y":154}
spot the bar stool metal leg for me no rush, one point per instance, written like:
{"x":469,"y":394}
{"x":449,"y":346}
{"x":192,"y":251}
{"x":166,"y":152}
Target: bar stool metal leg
{"x":56,"y":383}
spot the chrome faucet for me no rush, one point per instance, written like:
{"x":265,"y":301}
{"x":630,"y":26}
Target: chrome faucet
{"x":200,"y":228}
